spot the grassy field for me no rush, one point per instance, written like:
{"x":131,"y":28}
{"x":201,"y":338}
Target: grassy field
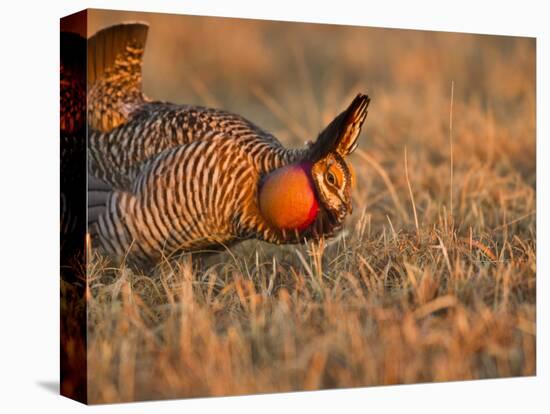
{"x":434,"y":276}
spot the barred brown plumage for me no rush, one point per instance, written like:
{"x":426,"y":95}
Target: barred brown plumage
{"x":186,"y":178}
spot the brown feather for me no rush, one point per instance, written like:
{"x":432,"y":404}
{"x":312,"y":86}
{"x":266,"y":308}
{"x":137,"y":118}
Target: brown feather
{"x":342,"y":134}
{"x":114,"y":74}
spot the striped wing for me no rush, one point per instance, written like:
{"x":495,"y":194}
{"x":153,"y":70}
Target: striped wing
{"x":186,"y":198}
{"x":117,"y":156}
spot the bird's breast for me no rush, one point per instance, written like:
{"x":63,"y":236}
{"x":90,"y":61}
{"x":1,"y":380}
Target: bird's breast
{"x":287,"y":198}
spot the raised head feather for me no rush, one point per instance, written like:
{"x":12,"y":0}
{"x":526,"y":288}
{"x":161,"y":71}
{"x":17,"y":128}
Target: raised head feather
{"x":342,"y":134}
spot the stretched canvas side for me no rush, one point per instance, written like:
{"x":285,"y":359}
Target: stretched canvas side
{"x":73,"y":369}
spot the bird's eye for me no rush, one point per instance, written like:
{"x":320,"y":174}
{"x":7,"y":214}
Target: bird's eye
{"x":331,"y":178}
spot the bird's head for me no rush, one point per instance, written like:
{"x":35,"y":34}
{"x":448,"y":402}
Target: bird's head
{"x":314,"y":195}
{"x":334,"y":178}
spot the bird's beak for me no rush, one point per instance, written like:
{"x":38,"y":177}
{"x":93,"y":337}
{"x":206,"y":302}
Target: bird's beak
{"x":347,"y":204}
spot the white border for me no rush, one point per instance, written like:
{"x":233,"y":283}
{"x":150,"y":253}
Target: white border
{"x":29,"y":171}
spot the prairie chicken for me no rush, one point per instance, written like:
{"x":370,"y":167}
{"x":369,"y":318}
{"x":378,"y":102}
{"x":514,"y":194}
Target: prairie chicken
{"x":167,"y":178}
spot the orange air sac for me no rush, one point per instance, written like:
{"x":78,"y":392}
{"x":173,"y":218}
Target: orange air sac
{"x":287,"y":198}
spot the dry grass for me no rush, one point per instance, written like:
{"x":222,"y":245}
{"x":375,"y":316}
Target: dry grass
{"x":414,"y":290}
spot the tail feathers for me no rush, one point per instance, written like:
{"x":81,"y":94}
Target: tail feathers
{"x":114,"y":74}
{"x":122,"y":41}
{"x":342,"y":134}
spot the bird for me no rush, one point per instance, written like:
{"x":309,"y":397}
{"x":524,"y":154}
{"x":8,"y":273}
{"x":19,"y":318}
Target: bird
{"x":166,"y":178}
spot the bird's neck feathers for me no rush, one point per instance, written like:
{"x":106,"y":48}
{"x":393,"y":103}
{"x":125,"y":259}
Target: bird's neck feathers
{"x":287,"y":197}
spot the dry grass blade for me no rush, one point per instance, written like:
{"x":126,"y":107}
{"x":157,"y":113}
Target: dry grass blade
{"x":412,"y":197}
{"x":435,"y":305}
{"x":378,"y":168}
